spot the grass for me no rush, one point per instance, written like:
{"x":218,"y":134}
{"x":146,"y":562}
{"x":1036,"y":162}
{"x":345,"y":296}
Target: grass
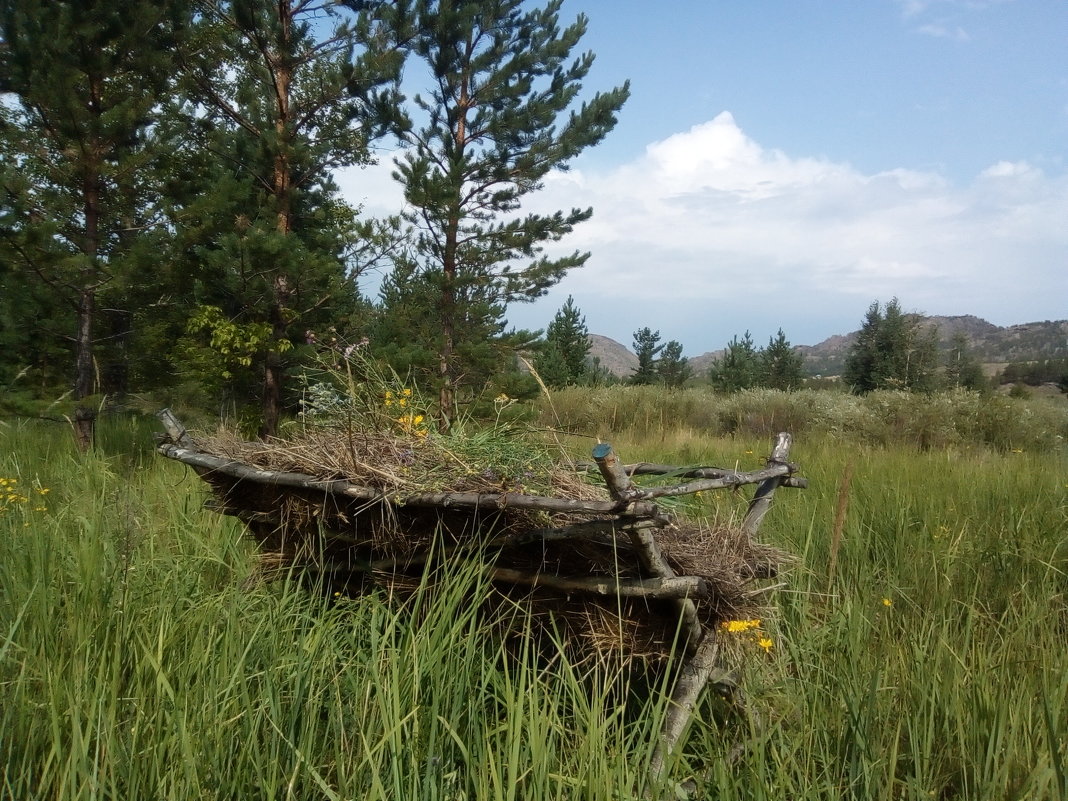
{"x":134,"y":662}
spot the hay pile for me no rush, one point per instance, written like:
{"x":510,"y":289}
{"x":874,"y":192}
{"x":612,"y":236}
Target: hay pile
{"x":355,"y":545}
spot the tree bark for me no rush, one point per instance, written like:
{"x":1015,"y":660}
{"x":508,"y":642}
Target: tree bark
{"x":281,"y":186}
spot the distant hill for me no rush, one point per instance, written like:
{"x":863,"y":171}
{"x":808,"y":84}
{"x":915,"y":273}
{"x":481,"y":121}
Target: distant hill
{"x":989,"y":343}
{"x":612,"y":355}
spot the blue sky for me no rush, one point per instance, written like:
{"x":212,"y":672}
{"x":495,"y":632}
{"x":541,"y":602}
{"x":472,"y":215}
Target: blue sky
{"x":786,"y":163}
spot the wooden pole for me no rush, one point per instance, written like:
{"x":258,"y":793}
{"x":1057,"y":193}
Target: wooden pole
{"x":758,"y":507}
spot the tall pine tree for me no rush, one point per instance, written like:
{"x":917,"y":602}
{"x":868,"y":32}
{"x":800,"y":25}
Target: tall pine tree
{"x":562,"y":359}
{"x":490,"y":129}
{"x":673,"y":369}
{"x":283,"y":92}
{"x":738,"y":368}
{"x":893,"y":350}
{"x":647,"y":348}
{"x":781,"y":366}
{"x":86,"y":77}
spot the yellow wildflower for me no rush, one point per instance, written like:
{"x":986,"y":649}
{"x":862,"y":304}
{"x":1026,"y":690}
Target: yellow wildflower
{"x":887,"y":602}
{"x":407,"y":393}
{"x":738,"y":626}
{"x":765,"y":643}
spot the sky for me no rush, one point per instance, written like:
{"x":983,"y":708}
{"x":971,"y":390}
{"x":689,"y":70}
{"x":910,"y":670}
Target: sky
{"x":785,"y":163}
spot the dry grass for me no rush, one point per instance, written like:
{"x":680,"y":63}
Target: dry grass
{"x":355,"y":545}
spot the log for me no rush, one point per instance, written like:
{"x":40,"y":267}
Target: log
{"x":729,"y":481}
{"x":175,"y":430}
{"x":618,"y":482}
{"x":462,"y":500}
{"x":693,"y":676}
{"x":653,"y":469}
{"x":758,"y":507}
{"x":652,"y":588}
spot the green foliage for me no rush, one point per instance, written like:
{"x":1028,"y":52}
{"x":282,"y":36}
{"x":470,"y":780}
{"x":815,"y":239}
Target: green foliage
{"x":781,"y":366}
{"x":405,"y":333}
{"x":893,"y":350}
{"x":1044,"y":371}
{"x":948,"y":419}
{"x":647,"y":349}
{"x":82,"y":84}
{"x":673,"y":369}
{"x":561,"y":359}
{"x":280,"y":95}
{"x":142,"y":644}
{"x":487,"y":136}
{"x":962,"y":370}
{"x":738,"y":368}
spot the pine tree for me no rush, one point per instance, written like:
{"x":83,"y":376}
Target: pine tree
{"x":738,"y":368}
{"x":647,"y":350}
{"x":562,"y":359}
{"x":85,"y":77}
{"x":673,"y":369}
{"x":405,"y":329}
{"x":489,"y":134}
{"x":781,"y":366}
{"x":893,"y":350}
{"x":283,"y":92}
{"x":962,"y":369}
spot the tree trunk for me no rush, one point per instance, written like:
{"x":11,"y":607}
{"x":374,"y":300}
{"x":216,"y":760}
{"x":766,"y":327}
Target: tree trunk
{"x":274,"y":367}
{"x":84,"y":373}
{"x":446,"y":398}
{"x":450,"y":261}
{"x":84,"y":369}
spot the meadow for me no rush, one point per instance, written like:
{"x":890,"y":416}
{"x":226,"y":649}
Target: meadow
{"x":918,"y":645}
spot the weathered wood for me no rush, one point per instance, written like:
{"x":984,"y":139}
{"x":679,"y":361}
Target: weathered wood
{"x":652,"y":588}
{"x":758,"y":507}
{"x":445,"y":500}
{"x":618,"y":482}
{"x":652,"y":469}
{"x":693,"y":676}
{"x":653,"y":561}
{"x":175,"y":430}
{"x":729,"y":481}
{"x":585,"y":530}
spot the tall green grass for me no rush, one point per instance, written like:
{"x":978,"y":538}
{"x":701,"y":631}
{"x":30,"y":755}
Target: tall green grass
{"x":946,"y":419}
{"x":136,"y":661}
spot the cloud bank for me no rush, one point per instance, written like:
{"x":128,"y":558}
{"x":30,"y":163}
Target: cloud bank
{"x":708,"y":233}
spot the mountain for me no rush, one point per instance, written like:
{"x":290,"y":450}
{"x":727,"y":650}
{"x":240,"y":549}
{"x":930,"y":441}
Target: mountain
{"x":989,"y":343}
{"x":612,"y":355}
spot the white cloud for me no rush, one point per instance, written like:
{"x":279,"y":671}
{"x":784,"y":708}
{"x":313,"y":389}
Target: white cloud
{"x":711,"y":218}
{"x":709,"y":233}
{"x":939,"y":31}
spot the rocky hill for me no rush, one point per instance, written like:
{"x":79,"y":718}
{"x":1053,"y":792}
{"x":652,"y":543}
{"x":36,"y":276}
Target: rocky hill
{"x":991,"y":344}
{"x":615,"y":357}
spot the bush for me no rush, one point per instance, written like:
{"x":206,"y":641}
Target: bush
{"x":954,"y":418}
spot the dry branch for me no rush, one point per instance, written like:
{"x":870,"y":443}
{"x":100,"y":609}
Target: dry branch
{"x":441,"y":500}
{"x":654,"y":588}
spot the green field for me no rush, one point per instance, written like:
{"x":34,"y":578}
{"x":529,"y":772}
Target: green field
{"x":918,"y":647}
